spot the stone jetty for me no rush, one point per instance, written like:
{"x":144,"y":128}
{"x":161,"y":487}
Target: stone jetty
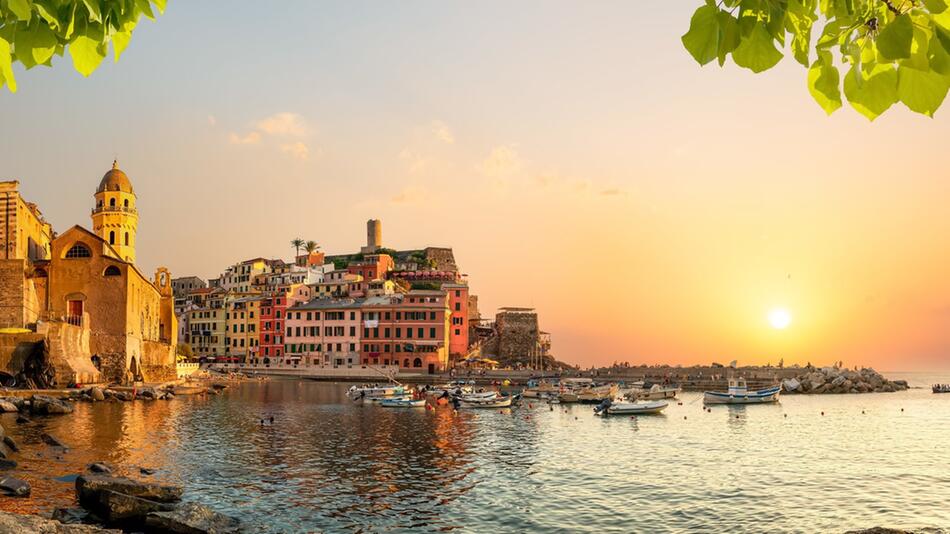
{"x":838,"y":380}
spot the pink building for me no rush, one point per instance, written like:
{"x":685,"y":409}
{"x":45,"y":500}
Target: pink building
{"x":409,"y":330}
{"x":324,"y":332}
{"x":457,"y":294}
{"x":371,"y":267}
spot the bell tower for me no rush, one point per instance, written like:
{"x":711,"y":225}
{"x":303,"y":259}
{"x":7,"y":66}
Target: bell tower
{"x":115,"y":218}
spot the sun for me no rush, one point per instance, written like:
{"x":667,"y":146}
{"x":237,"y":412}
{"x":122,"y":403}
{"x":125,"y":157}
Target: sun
{"x":779,"y":318}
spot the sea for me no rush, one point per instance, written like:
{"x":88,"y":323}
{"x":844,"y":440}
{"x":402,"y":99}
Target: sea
{"x":822,"y":463}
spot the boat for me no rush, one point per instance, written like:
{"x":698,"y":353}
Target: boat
{"x":540,"y":388}
{"x":941,"y":388}
{"x":496,"y":402}
{"x":375,"y":392}
{"x":479,"y":395}
{"x":609,"y":407}
{"x":738,"y":393}
{"x":655,"y":392}
{"x":596,"y":394}
{"x":402,"y":403}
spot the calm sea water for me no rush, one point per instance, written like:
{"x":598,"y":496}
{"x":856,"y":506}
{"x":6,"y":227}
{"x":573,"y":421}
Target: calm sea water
{"x":328,"y":465}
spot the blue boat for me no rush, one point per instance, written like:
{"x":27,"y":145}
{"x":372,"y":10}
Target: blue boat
{"x":739,"y":394}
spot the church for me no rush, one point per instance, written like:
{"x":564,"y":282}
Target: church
{"x":81,"y":294}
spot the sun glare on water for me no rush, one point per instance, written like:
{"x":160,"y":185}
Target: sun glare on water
{"x":779,"y":318}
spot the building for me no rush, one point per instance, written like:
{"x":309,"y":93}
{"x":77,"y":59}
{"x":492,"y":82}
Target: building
{"x":208,"y":326}
{"x":408,"y":330}
{"x":374,"y":236}
{"x":459,"y":318}
{"x":518,"y":340}
{"x":371,"y":267}
{"x":25,"y":240}
{"x":238,"y":277}
{"x":324,"y":332}
{"x":243,"y":318}
{"x":183,"y":286}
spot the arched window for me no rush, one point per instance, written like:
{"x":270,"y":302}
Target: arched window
{"x":417,"y":363}
{"x":112,"y":270}
{"x":126,"y":239}
{"x":126,"y":203}
{"x":406,"y":363}
{"x":112,"y":202}
{"x":79,"y":251}
{"x":112,"y":238}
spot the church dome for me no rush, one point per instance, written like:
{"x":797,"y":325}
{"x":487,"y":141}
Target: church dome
{"x":115,"y":180}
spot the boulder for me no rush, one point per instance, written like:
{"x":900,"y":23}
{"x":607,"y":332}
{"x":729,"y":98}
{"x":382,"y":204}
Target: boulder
{"x":791,"y":384}
{"x":72,"y":516}
{"x":51,"y":440}
{"x":119,"y":395}
{"x":22,"y":419}
{"x":46,"y":405}
{"x":14,"y":486}
{"x":191,"y":518}
{"x":146,"y":471}
{"x":149,"y":394}
{"x":838,"y":380}
{"x":817,"y":387}
{"x":118,"y":507}
{"x":99,"y":467}
{"x":89,"y":486}
{"x":7,"y":464}
{"x":10,"y":522}
{"x":96,"y":394}
{"x":8,"y":407}
{"x":8,"y":441}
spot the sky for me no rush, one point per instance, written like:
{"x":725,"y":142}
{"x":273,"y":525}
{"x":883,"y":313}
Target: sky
{"x":573,"y":154}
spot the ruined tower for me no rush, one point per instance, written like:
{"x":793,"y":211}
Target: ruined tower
{"x":374,"y":236}
{"x":115,"y":218}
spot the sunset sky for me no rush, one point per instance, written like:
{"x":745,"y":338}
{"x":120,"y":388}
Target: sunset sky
{"x":573,"y":154}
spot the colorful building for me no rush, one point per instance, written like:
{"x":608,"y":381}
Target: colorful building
{"x":324,"y":332}
{"x":243,"y":318}
{"x":458,"y":318}
{"x":408,"y":330}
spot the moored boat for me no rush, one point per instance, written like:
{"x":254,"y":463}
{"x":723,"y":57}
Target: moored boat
{"x":595,"y":394}
{"x":656,"y":392}
{"x":375,"y":392}
{"x":402,"y":403}
{"x":609,"y":407}
{"x":494,"y":402}
{"x":738,"y":393}
{"x":941,"y":388}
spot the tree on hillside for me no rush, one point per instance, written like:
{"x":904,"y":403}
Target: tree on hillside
{"x":33,"y":31}
{"x":297,"y":243}
{"x":889,"y":51}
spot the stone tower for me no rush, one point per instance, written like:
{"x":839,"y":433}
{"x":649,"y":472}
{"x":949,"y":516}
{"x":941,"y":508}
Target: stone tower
{"x":374,"y":236}
{"x":115,"y":218}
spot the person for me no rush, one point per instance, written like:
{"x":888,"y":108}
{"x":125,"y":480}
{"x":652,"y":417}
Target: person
{"x":272,"y":419}
{"x":456,"y":403}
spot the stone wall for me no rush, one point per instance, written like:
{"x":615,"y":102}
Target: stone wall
{"x":517,"y":334}
{"x":158,"y":362}
{"x":12,"y":288}
{"x":443,"y":258}
{"x":70,"y":355}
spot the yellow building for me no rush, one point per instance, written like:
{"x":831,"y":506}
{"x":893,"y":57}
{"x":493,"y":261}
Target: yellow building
{"x":115,"y":218}
{"x":243,"y":328}
{"x":25,"y":239}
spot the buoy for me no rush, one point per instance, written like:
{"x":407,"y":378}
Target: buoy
{"x":530,"y":406}
{"x":862,"y":412}
{"x":786,"y":416}
{"x":902,"y":409}
{"x":684,"y":417}
{"x":737,"y":416}
{"x":822,"y":413}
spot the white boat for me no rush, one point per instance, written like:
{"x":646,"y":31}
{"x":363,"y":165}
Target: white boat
{"x":597,"y":393}
{"x":375,"y":392}
{"x":655,"y":392}
{"x":402,"y":403}
{"x":739,"y":394}
{"x":378,"y":400}
{"x":941,"y":388}
{"x":632,"y":408}
{"x":480,"y":395}
{"x":496,"y":402}
{"x":540,"y":388}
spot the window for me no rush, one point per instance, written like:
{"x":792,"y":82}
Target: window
{"x":112,"y":238}
{"x":458,"y":332}
{"x":79,"y":251}
{"x":458,"y":306}
{"x":126,"y":239}
{"x":432,"y":333}
{"x":352,"y":331}
{"x":417,"y":363}
{"x":386,"y":315}
{"x":458,"y":293}
{"x":126,"y":203}
{"x":112,"y":202}
{"x":399,"y":332}
{"x":408,"y":333}
{"x":386,"y":333}
{"x":112,"y":270}
{"x":352,"y":316}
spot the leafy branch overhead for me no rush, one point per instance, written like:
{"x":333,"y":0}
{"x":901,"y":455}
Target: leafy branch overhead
{"x":878,"y":52}
{"x":33,"y":31}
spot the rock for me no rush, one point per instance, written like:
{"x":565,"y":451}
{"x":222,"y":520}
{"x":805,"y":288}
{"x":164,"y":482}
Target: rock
{"x":89,"y":486}
{"x":14,"y":486}
{"x":8,"y":441}
{"x":169,"y":395}
{"x":22,"y":419}
{"x":792,"y":384}
{"x":146,"y":471}
{"x":119,"y":395}
{"x":838,"y":380}
{"x":902,"y":384}
{"x":116,"y":507}
{"x":8,"y":407}
{"x":879,"y":530}
{"x":99,"y":467}
{"x":50,"y":440}
{"x":149,"y":394}
{"x":191,"y":518}
{"x":46,"y":405}
{"x":71,"y":516}
{"x":10,"y":522}
{"x":96,"y":394}
{"x":7,"y":464}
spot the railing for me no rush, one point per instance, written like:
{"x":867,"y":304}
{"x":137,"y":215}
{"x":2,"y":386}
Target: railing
{"x":118,"y":209}
{"x":75,"y":320}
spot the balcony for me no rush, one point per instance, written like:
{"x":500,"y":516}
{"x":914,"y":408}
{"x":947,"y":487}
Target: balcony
{"x":114,"y":209}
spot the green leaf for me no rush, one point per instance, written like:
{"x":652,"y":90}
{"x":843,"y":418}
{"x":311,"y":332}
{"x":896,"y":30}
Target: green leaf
{"x":702,"y":39}
{"x":47,"y":11}
{"x":757,"y":52}
{"x":87,"y":50}
{"x":824,"y":83}
{"x":874,"y":94}
{"x":937,"y":56}
{"x":35,"y":45}
{"x":935,"y":6}
{"x":120,"y":41}
{"x":921,"y":91}
{"x":6,"y":66}
{"x":94,"y":13}
{"x":728,"y":35}
{"x":21,"y":8}
{"x":895,"y":39}
{"x":160,"y":5}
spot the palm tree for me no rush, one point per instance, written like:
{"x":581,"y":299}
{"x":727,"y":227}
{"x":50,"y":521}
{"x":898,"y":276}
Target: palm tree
{"x":297,"y":243}
{"x":311,"y":247}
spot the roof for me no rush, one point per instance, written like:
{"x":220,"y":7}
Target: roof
{"x":329,"y":304}
{"x":115,"y":180}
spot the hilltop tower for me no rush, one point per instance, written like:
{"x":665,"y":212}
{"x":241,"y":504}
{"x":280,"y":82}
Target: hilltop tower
{"x":374,"y":236}
{"x":115,"y":218}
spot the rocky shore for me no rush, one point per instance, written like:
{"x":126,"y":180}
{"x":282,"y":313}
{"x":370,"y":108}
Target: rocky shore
{"x":107,"y":502}
{"x":839,"y":380}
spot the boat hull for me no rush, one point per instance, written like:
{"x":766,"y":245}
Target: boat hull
{"x":762,"y":396}
{"x":400,"y":403}
{"x":500,"y":402}
{"x":636,"y":408}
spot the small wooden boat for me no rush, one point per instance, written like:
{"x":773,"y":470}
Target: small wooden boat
{"x":189,"y":390}
{"x":540,"y":388}
{"x":631,"y":408}
{"x":496,"y":402}
{"x":596,"y":394}
{"x":738,"y":393}
{"x":941,"y":388}
{"x":402,"y":403}
{"x":656,"y":392}
{"x":364,"y":392}
{"x":379,"y":400}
